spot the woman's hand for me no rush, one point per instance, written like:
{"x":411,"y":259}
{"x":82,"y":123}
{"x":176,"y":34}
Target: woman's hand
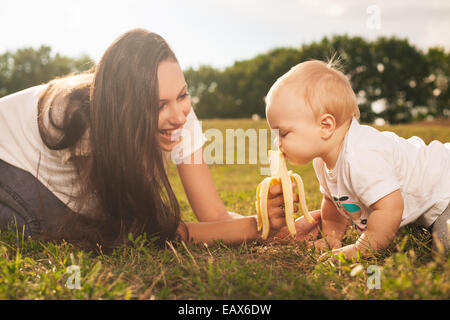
{"x":275,"y":207}
{"x":279,"y":232}
{"x":305,"y":230}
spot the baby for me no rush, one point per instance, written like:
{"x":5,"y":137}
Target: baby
{"x":376,"y":181}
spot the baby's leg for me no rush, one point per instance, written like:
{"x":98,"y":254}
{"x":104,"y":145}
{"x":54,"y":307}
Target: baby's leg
{"x":440,"y":230}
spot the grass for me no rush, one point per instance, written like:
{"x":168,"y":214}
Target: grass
{"x":33,"y":269}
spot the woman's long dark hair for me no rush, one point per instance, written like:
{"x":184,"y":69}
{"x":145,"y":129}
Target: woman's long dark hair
{"x":117,"y":109}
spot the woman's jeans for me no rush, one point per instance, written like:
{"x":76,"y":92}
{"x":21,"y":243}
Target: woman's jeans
{"x":26,"y":203}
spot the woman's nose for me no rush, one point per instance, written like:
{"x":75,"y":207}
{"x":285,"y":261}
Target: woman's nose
{"x":178,"y":117}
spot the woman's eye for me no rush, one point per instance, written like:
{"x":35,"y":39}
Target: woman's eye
{"x":184,"y":95}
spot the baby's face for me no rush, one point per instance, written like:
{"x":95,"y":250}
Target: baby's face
{"x":299,"y":137}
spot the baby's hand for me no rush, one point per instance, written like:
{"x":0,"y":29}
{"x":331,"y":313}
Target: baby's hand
{"x":350,"y":251}
{"x":275,"y":207}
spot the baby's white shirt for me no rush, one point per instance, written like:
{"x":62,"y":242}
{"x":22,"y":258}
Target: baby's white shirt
{"x":373,"y":164}
{"x":21,"y":145}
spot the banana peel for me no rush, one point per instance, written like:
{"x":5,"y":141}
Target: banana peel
{"x":280,"y":175}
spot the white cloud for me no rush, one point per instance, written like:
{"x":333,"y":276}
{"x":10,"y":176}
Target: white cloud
{"x":215,"y":32}
{"x":437,"y":33}
{"x":334,"y":10}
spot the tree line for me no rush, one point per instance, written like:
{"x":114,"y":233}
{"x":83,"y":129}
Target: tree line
{"x":405,"y":82}
{"x":392,"y":79}
{"x":27,"y":67}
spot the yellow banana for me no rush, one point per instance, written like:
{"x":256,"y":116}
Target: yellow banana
{"x":280,"y":174}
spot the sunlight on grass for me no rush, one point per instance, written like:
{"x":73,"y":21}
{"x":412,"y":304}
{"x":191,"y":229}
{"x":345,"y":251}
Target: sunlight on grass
{"x":31,"y":269}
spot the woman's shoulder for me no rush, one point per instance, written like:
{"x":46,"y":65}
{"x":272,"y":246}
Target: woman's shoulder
{"x":60,"y":92}
{"x":57,"y":103}
{"x":22,"y":99}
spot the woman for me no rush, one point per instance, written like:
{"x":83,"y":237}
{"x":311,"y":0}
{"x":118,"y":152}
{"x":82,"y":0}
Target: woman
{"x":91,"y":169}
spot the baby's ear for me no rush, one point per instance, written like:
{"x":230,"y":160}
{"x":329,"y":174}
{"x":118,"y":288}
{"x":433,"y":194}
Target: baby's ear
{"x":327,"y":124}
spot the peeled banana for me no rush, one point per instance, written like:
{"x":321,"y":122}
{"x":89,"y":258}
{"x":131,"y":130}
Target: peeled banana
{"x":280,"y":174}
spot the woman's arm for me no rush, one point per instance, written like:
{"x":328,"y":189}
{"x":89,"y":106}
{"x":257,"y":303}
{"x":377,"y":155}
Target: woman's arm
{"x":232,"y":231}
{"x":201,"y":191}
{"x":235,"y":231}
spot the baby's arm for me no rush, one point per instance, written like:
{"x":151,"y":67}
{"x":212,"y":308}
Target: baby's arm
{"x":382,"y":226}
{"x":383,"y":223}
{"x":333,"y":225}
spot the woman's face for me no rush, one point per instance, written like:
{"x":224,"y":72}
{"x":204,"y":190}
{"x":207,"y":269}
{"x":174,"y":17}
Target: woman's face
{"x":174,"y":103}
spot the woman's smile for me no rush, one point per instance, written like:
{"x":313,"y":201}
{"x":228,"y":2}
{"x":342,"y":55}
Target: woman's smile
{"x":171,"y":135}
{"x":170,"y":138}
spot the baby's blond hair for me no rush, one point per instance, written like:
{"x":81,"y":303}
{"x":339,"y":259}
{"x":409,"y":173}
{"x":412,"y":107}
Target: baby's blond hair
{"x":323,"y":88}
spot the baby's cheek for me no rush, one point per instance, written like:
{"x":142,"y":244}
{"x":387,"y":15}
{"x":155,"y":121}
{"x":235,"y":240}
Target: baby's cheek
{"x":303,"y":157}
{"x":294,"y":156}
{"x":298,"y":148}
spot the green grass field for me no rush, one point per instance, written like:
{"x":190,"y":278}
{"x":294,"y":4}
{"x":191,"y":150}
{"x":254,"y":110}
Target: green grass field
{"x":31,"y":269}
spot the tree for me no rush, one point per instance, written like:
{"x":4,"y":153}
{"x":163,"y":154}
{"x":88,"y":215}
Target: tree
{"x":249,"y":81}
{"x":410,"y":83}
{"x":402,"y":70}
{"x":28,"y":67}
{"x":205,"y":86}
{"x":438,"y":81}
{"x":355,"y":59}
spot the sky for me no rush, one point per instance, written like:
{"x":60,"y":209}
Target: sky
{"x":217,"y":32}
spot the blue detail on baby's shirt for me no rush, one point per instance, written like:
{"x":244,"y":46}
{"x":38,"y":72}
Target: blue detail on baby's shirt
{"x":352,"y":211}
{"x":351,"y":207}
